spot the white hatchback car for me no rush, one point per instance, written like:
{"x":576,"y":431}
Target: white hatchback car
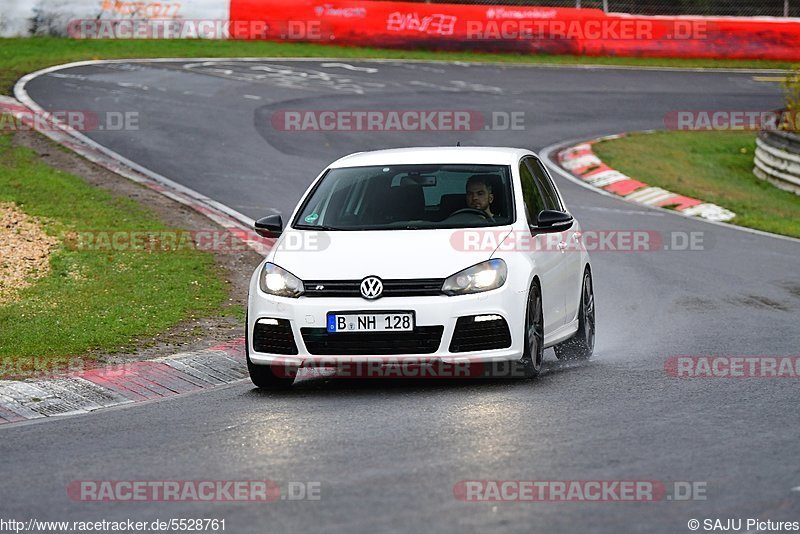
{"x":451,"y":254}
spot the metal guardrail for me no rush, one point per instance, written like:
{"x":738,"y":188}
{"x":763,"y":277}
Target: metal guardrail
{"x":777,"y":159}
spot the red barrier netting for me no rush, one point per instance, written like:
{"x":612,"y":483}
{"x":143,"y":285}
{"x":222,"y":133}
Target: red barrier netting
{"x":521,"y":29}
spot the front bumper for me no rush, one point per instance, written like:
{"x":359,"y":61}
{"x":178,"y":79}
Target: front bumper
{"x":430,"y":311}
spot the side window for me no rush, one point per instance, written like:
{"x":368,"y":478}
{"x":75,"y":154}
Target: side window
{"x":544,"y":184}
{"x":530,"y":194}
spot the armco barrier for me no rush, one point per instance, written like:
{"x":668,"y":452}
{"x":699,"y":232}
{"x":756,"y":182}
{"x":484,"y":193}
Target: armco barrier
{"x":523,"y":29}
{"x":777,"y":159}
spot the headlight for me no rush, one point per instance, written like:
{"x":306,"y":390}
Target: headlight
{"x":482,"y":277}
{"x":277,"y":281}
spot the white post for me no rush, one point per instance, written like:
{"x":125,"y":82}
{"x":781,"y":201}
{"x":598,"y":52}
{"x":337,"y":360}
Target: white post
{"x":605,"y":6}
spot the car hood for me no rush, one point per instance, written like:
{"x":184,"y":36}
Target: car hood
{"x":345,"y":255}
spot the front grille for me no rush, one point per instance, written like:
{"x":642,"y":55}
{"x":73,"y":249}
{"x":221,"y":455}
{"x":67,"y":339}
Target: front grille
{"x":420,"y":287}
{"x":423,"y":340}
{"x":274,"y":338}
{"x":483,"y":335}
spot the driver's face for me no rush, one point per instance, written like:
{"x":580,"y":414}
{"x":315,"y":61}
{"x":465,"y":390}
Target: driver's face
{"x":479,"y":197}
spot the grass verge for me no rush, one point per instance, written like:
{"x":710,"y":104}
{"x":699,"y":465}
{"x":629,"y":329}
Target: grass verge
{"x":19,"y":56}
{"x":95,"y":300}
{"x":711,"y":166}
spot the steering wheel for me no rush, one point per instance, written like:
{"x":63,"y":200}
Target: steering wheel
{"x":473,"y":211}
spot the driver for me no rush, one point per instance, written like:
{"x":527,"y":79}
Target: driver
{"x":479,"y":193}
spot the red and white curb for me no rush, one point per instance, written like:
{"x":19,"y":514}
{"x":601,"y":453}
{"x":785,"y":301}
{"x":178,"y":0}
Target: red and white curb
{"x":581,"y":161}
{"x":86,"y":391}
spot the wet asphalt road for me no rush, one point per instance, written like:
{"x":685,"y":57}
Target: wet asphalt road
{"x":388,"y":454}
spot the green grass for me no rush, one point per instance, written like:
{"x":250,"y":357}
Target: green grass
{"x":714,"y":167}
{"x":98,"y":300}
{"x":19,"y":56}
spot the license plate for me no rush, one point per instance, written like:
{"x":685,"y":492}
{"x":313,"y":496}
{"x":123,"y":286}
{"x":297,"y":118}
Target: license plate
{"x":370,"y":322}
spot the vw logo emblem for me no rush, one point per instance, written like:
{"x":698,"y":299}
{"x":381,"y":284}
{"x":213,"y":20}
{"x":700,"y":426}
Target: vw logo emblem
{"x":371,"y":287}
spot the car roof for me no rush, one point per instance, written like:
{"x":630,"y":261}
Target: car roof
{"x":434,"y":155}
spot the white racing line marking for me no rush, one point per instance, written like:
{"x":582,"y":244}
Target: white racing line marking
{"x":252,"y":97}
{"x":458,"y":86}
{"x":411,"y":66}
{"x":133,"y":85}
{"x":349,"y":67}
{"x":477,"y":87}
{"x":443,"y":88}
{"x":547,"y":152}
{"x":70,"y":76}
{"x":286,"y":76}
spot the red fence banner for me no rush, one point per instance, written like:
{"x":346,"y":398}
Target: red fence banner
{"x":522,"y":29}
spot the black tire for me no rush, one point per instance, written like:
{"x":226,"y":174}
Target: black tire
{"x":533,"y":353}
{"x":581,"y":345}
{"x":266,"y":376}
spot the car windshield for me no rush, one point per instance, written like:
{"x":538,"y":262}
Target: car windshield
{"x":409,"y":197}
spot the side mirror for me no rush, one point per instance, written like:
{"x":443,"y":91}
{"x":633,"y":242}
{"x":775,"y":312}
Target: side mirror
{"x":270,"y":226}
{"x":553,"y":221}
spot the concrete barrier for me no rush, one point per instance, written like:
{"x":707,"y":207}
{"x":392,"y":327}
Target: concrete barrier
{"x":777,"y":159}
